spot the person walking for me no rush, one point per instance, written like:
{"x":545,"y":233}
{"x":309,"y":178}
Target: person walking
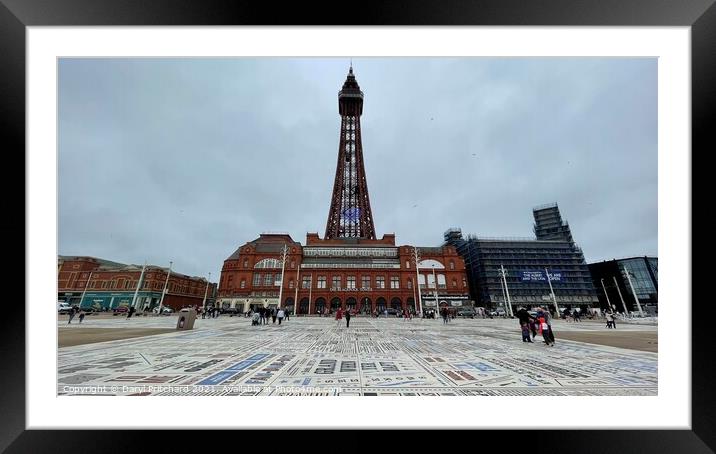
{"x":82,"y":316}
{"x":130,"y":312}
{"x":348,"y":318}
{"x":288,"y":312}
{"x":280,"y":314}
{"x":71,"y":314}
{"x":546,"y":326}
{"x":273,"y":315}
{"x":524,"y":318}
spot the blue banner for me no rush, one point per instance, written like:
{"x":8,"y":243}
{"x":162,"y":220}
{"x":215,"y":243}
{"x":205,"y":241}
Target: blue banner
{"x":539,"y":276}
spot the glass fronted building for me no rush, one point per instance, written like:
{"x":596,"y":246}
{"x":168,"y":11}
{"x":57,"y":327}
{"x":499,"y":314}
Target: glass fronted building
{"x":615,"y":279}
{"x":529,"y":265}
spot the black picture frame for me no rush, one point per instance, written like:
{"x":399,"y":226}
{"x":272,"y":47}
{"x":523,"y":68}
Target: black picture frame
{"x":16,"y":15}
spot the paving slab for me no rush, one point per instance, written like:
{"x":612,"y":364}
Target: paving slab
{"x":227,"y":356}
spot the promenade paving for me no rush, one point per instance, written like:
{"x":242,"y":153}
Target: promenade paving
{"x":320,"y":356}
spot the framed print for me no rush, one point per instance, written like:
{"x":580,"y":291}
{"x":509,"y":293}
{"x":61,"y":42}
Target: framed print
{"x":180,"y":144}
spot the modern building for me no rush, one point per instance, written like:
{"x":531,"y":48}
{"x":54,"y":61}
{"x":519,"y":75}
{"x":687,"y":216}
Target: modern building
{"x":537,"y":272}
{"x":621,"y":283}
{"x":350,"y":267}
{"x":102,"y":284}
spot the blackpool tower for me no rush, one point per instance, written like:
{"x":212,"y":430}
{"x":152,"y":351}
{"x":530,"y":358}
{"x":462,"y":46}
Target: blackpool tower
{"x":350,"y":215}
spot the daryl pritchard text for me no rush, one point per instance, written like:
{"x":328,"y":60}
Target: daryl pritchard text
{"x":189,"y":389}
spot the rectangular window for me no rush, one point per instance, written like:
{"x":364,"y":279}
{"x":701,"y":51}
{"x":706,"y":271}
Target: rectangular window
{"x":267,"y":280}
{"x":321,"y":281}
{"x":441,"y":281}
{"x":365,"y":283}
{"x":394,"y":282}
{"x":431,"y":281}
{"x":336,"y":282}
{"x":351,"y":282}
{"x":290,"y":283}
{"x":306,"y":283}
{"x":407,"y":263}
{"x":421,"y":280}
{"x":246,"y":263}
{"x":380,"y":281}
{"x":410,"y":284}
{"x":257,"y":279}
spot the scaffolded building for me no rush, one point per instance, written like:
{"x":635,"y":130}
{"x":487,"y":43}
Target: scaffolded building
{"x":525,"y":271}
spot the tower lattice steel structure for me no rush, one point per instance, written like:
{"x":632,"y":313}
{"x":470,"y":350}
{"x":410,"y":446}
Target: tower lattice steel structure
{"x":350,"y":215}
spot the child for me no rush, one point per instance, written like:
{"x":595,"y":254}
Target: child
{"x":533,"y":327}
{"x":526,"y":333}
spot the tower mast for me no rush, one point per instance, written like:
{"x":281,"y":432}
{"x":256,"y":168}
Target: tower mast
{"x":350,"y":215}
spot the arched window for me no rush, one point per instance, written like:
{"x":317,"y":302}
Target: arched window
{"x":320,"y":305}
{"x":335,"y":303}
{"x":429,"y":264}
{"x":268,"y":263}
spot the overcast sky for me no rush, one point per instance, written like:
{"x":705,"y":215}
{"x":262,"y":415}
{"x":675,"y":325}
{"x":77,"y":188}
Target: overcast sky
{"x":188,"y":159}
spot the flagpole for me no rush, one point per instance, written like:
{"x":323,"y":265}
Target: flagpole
{"x":296,"y":306}
{"x":417,"y":280}
{"x":554,"y":298}
{"x":139,"y":283}
{"x":283,"y":267}
{"x":164,"y":292}
{"x":85,"y":290}
{"x":203,"y":303}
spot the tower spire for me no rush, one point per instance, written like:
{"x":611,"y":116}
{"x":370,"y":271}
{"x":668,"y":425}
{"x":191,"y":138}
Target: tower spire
{"x":350,"y":215}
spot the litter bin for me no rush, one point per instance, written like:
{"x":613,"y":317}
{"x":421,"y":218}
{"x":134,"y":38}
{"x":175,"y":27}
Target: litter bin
{"x":187,"y":316}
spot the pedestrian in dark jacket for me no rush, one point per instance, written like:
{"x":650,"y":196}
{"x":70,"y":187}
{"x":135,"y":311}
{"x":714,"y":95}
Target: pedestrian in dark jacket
{"x":348,"y":318}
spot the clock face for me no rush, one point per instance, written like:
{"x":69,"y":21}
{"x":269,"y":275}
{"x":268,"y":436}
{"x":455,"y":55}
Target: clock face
{"x":351,"y":214}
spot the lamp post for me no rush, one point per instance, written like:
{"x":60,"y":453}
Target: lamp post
{"x":554,"y":298}
{"x":203,"y":303}
{"x":633,"y":292}
{"x":605,"y":294}
{"x":417,"y":280}
{"x":626,"y":312}
{"x":283,"y":267}
{"x":164,"y":292}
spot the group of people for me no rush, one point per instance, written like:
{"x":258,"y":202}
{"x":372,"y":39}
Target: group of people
{"x":576,"y":315}
{"x":541,"y":323}
{"x":446,"y":315}
{"x":210,"y":312}
{"x":262,"y":315}
{"x":611,"y":320}
{"x":75,"y":311}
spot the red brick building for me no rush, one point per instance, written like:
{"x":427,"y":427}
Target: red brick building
{"x":360,"y":274}
{"x":99,"y":283}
